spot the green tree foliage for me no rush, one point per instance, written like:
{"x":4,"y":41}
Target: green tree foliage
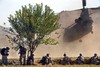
{"x":32,"y":25}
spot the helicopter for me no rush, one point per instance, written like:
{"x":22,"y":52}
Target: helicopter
{"x":81,"y":27}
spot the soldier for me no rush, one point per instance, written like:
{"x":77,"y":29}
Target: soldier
{"x":4,"y":53}
{"x":94,"y":59}
{"x":46,"y":60}
{"x":30,"y":59}
{"x":43,"y":60}
{"x":80,"y":59}
{"x":22,"y":53}
{"x":65,"y":59}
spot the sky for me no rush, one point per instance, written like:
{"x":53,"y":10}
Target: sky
{"x":8,"y":7}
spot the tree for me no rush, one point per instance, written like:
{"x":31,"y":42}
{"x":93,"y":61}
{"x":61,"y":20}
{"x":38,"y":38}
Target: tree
{"x":31,"y":26}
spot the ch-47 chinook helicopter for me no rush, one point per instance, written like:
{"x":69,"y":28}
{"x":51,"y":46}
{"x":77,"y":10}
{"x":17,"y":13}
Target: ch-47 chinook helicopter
{"x":81,"y":27}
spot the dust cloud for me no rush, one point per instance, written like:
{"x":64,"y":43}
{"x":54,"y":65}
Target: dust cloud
{"x":90,"y":43}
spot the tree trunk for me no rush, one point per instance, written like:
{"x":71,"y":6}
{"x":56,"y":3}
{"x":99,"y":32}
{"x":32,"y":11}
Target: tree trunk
{"x":33,"y":45}
{"x":30,"y":56}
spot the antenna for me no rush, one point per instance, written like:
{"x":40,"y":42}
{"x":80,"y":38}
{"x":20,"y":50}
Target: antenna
{"x":84,"y":3}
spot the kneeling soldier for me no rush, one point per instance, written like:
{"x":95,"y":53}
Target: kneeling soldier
{"x":46,"y":60}
{"x":65,"y":59}
{"x":94,"y":59}
{"x":80,"y":59}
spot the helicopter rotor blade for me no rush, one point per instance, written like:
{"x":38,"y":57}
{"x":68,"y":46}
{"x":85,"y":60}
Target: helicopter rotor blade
{"x":84,"y":3}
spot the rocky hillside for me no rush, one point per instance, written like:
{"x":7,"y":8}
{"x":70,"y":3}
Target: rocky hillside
{"x":90,"y":43}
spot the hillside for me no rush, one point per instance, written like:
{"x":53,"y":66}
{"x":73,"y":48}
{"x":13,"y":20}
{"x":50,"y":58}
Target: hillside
{"x":90,"y":43}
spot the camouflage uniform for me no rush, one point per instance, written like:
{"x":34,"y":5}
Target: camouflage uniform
{"x":80,"y":59}
{"x":22,"y":53}
{"x":46,"y":60}
{"x":94,"y":59}
{"x":65,"y":59}
{"x":30,"y":59}
{"x":4,"y":53}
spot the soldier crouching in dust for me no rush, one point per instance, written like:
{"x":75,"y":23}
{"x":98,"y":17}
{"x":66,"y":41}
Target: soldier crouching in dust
{"x":30,"y":60}
{"x":94,"y":59}
{"x":4,"y":53}
{"x":22,"y":53}
{"x":65,"y":60}
{"x":46,"y":60}
{"x":80,"y":59}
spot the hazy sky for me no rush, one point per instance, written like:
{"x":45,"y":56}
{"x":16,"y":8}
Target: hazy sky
{"x":8,"y":7}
